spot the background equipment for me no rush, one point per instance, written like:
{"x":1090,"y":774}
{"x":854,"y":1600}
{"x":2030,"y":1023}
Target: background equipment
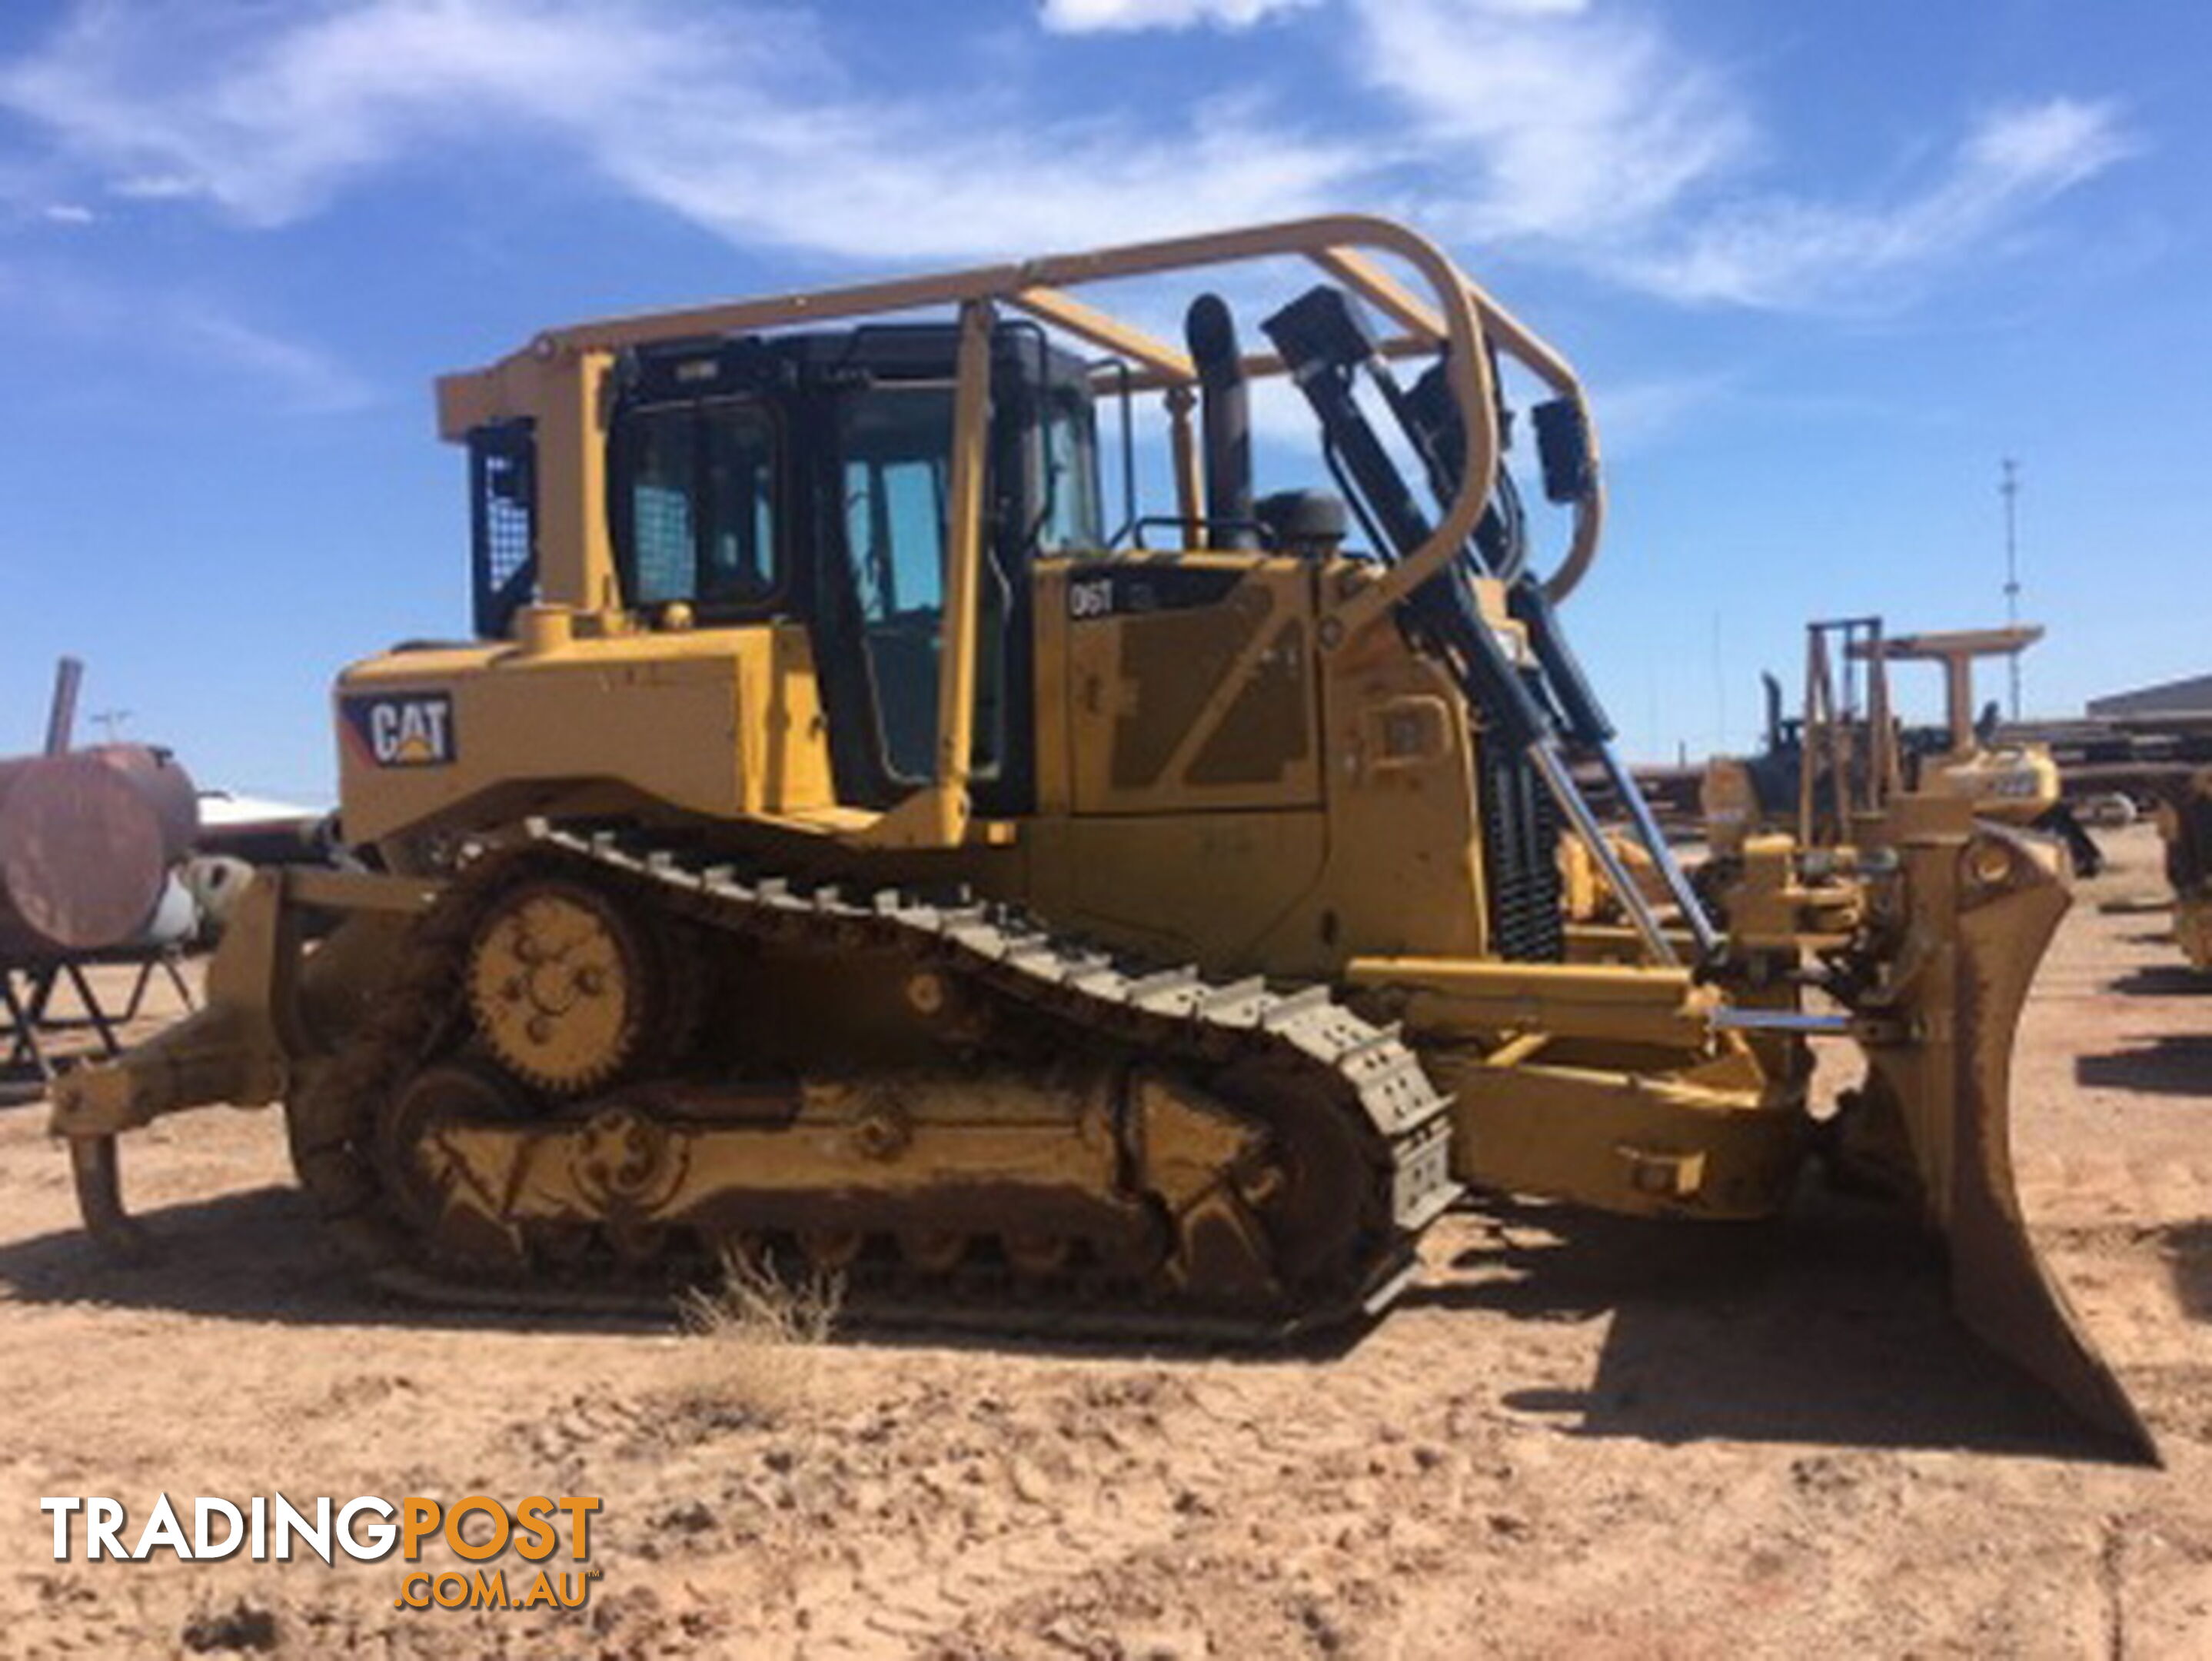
{"x":93,"y":856}
{"x":1846,"y":754}
{"x":2184,"y":819}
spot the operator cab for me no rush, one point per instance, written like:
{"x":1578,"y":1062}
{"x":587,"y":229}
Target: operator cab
{"x":805,"y":478}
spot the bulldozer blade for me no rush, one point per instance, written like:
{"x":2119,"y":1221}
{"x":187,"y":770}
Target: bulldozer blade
{"x":2005,"y":1294}
{"x":2000,"y":1285}
{"x":1951,"y":1079}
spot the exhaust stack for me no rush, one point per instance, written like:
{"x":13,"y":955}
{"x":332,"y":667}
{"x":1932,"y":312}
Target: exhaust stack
{"x":1225,"y":423}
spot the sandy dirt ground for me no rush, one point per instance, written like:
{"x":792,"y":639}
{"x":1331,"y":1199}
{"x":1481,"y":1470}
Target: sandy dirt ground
{"x":1579,"y":1439}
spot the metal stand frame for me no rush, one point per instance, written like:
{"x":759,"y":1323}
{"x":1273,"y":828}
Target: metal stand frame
{"x":26,"y":996}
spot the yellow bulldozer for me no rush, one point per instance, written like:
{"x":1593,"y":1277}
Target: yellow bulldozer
{"x":2184,"y":821}
{"x":1846,"y":754}
{"x":859,"y":835}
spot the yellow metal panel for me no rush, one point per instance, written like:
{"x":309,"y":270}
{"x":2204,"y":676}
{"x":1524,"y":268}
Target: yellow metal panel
{"x":1637,"y":1143}
{"x":1404,"y":869}
{"x":1393,"y":869}
{"x":790,"y":735}
{"x":1231,"y":889}
{"x":719,"y":723}
{"x":1163,"y":701}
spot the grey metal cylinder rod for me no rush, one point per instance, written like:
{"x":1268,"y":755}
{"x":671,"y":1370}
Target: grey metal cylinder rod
{"x":1545,"y":758}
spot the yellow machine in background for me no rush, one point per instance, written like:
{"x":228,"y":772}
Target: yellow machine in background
{"x":847,"y":842}
{"x":1846,"y":755}
{"x":2184,"y":820}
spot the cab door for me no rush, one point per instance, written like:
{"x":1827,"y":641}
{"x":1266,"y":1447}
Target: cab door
{"x":880,"y":546}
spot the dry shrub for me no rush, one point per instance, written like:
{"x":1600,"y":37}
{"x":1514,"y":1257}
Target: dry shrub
{"x":761,"y":1334}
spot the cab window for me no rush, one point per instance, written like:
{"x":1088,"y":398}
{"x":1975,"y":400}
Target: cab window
{"x":700,"y":514}
{"x":896,"y":457}
{"x":1072,"y":521}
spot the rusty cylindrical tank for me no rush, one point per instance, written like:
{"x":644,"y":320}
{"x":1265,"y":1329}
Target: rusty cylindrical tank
{"x":88,"y":843}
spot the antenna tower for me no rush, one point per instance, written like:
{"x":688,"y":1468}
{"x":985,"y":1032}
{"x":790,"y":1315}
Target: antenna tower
{"x":2009,"y":489}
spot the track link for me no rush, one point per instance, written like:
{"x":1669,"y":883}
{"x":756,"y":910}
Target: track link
{"x":1298,"y":1048}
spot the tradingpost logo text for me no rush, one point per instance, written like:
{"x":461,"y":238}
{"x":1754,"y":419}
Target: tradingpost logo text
{"x":548,"y":1535}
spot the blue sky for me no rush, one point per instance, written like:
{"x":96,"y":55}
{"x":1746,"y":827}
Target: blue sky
{"x":1821,"y":267}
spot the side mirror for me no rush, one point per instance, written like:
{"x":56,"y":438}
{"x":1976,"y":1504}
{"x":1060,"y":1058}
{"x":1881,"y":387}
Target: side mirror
{"x":1563,"y":447}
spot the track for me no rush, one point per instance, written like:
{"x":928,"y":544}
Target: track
{"x":1347,"y":1101}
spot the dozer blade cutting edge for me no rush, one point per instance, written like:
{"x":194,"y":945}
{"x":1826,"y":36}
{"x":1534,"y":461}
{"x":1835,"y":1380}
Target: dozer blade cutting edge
{"x":1987,"y":902}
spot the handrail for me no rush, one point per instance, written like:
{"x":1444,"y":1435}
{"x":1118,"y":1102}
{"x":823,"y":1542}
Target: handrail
{"x":1457,"y":312}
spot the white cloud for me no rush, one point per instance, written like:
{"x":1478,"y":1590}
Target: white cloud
{"x":1579,"y":132}
{"x":267,"y":110}
{"x":1639,"y":415}
{"x":1780,"y":251}
{"x":1556,"y":121}
{"x":67,"y":213}
{"x":739,"y":123}
{"x":303,"y":378}
{"x":2045,"y":147}
{"x":157,"y":335}
{"x":897,"y":185}
{"x":158,"y":186}
{"x":1585,"y":133}
{"x":1100,"y":16}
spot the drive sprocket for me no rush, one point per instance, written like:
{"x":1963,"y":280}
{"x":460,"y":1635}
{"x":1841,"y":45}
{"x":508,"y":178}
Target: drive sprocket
{"x":562,"y":985}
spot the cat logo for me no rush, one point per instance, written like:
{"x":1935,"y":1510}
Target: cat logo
{"x":413,"y":730}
